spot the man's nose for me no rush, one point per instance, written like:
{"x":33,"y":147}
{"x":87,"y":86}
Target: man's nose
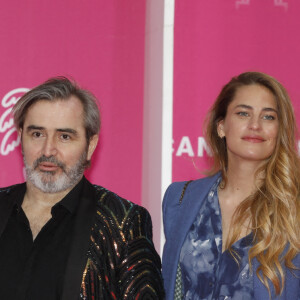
{"x":49,"y":147}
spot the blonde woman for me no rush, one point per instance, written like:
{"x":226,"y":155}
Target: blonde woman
{"x":235,"y":235}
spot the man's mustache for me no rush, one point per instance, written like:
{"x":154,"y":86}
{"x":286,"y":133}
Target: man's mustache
{"x":50,"y":159}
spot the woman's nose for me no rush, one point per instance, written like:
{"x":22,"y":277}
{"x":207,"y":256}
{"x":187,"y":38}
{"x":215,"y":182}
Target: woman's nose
{"x":254,"y":123}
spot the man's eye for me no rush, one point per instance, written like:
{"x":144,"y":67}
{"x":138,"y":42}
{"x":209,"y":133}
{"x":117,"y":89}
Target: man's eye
{"x":36,"y":134}
{"x":65,"y":137}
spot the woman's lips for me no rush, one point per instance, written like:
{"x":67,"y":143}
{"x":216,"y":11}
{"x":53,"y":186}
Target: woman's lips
{"x":253,"y":139}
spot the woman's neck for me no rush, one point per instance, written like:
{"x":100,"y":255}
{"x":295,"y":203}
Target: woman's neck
{"x":241,"y":179}
{"x":241,"y":183}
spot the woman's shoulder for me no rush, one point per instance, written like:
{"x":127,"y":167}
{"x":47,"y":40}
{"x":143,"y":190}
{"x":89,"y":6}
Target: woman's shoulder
{"x":176,"y":189}
{"x":179,"y":185}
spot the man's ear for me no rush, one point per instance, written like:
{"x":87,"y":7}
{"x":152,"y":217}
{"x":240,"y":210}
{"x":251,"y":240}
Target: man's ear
{"x":92,"y":145}
{"x":20,"y":130}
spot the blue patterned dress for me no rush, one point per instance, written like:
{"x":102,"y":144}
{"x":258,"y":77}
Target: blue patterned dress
{"x":207,"y":273}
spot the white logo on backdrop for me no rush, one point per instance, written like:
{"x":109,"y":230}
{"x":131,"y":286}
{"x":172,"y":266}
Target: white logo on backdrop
{"x":7,"y":127}
{"x":241,"y":2}
{"x":282,"y":3}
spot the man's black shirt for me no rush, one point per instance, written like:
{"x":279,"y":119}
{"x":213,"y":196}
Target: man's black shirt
{"x":34,"y":270}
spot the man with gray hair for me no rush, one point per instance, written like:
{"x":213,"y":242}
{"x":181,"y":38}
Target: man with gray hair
{"x":60,"y":236}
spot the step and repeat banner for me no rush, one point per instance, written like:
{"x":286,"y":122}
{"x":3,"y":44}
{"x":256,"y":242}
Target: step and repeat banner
{"x":100,"y":44}
{"x":215,"y":40}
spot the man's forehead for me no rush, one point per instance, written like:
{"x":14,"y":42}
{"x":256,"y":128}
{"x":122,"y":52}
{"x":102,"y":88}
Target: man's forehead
{"x":58,"y":113}
{"x":70,"y":101}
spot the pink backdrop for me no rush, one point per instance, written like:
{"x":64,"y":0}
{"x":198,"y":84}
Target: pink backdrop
{"x":101,"y":45}
{"x":216,"y":40}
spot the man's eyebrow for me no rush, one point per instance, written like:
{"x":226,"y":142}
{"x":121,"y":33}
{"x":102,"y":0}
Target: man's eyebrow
{"x":34,"y":127}
{"x":68,"y":130}
{"x":250,"y":107}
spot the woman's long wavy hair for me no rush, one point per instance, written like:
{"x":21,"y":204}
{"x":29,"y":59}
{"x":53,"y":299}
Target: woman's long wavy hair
{"x":273,"y":211}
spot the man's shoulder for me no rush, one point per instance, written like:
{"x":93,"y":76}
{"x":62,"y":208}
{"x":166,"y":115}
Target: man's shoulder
{"x":9,"y":189}
{"x":114,"y":203}
{"x":109,"y":198}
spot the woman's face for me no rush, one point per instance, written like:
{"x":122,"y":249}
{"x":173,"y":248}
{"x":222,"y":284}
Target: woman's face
{"x":251,"y":124}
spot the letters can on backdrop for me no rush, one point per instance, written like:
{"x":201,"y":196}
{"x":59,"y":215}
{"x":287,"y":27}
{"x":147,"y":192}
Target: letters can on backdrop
{"x":98,"y":43}
{"x":215,"y":40}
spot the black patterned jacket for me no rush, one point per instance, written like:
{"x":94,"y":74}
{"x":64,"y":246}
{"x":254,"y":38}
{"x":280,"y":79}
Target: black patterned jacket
{"x":112,"y":255}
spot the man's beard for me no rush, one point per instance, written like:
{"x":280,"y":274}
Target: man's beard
{"x":45,"y":180}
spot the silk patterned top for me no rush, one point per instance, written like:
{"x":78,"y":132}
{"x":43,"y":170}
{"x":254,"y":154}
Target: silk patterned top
{"x":207,"y":273}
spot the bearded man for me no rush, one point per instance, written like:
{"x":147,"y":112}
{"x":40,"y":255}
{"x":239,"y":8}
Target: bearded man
{"x":60,"y":236}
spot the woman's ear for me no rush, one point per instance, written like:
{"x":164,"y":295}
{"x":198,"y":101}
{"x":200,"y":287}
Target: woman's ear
{"x":220,"y":129}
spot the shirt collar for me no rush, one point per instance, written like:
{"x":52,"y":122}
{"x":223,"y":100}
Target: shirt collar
{"x":69,"y":202}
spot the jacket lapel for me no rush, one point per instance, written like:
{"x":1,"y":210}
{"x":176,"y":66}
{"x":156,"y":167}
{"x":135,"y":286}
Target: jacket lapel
{"x":184,"y":216}
{"x":260,"y":291}
{"x":291,"y":285}
{"x":84,"y":219}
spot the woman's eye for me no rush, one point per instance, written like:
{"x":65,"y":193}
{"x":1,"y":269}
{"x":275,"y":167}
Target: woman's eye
{"x":243,"y":114}
{"x":269,"y":117}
